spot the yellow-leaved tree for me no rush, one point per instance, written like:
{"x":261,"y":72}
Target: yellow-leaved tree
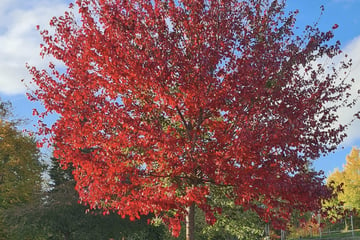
{"x":346,"y":185}
{"x":350,"y":178}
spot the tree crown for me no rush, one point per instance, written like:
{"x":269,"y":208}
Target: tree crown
{"x":162,"y":100}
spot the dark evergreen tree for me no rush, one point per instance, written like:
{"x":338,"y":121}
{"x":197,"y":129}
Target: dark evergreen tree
{"x":60,"y":216}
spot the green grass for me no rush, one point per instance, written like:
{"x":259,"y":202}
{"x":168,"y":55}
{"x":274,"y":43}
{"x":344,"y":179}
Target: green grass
{"x":335,"y":236}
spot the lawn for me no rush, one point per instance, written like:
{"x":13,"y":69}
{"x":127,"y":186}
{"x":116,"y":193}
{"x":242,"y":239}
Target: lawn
{"x":335,"y":236}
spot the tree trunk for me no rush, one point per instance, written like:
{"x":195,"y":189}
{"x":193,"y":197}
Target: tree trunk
{"x":66,"y":235}
{"x":190,"y":223}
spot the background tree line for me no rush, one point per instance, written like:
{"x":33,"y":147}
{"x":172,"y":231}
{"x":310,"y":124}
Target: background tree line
{"x":34,"y":208}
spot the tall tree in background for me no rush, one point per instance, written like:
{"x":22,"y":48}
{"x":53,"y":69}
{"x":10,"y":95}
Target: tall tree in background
{"x":20,"y":168}
{"x":60,"y":216}
{"x":163,"y":100}
{"x":234,"y":222}
{"x":350,"y":178}
{"x":346,"y":188}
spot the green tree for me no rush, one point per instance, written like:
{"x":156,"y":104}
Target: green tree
{"x":20,"y":167}
{"x":60,"y":216}
{"x":233,"y":222}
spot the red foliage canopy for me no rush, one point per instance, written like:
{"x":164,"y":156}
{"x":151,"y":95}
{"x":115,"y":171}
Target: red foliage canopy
{"x":162,"y":100}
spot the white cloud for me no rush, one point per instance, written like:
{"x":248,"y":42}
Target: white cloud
{"x":345,"y":115}
{"x":19,"y":39}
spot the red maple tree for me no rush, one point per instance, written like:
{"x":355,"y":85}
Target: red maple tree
{"x":161,"y":101}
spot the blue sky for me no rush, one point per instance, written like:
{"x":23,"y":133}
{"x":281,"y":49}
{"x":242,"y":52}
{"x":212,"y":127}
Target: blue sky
{"x":345,"y":13}
{"x":20,"y":41}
